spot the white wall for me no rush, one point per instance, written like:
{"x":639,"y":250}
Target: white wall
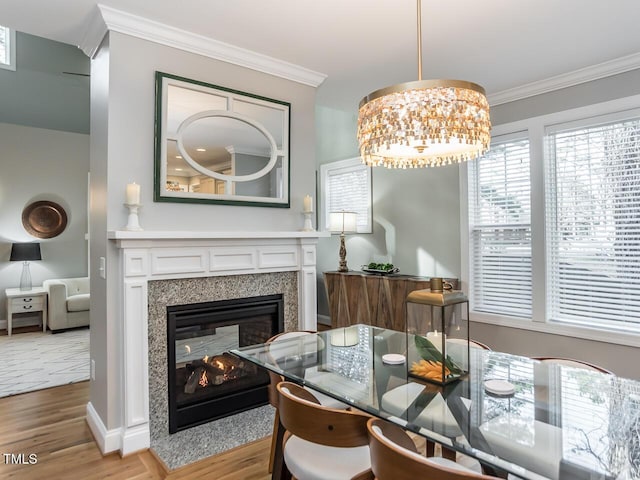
{"x":39,"y":164}
{"x":123,"y":103}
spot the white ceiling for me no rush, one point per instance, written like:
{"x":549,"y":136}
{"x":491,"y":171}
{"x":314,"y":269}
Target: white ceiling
{"x":363,"y":45}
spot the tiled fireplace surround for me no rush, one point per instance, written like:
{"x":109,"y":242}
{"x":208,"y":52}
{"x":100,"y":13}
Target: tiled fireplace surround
{"x":169,"y":268}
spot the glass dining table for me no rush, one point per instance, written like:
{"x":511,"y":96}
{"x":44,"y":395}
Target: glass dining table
{"x":515,"y":415}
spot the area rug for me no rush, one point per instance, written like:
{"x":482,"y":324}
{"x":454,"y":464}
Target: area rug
{"x":37,"y":360}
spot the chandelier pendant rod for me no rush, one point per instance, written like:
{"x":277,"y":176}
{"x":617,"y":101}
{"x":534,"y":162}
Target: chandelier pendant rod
{"x":419,"y":2}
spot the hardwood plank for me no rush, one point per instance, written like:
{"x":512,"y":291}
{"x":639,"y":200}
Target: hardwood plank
{"x":51,"y":424}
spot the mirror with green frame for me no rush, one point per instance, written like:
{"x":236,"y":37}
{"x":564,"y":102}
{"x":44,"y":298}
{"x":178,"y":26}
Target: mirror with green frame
{"x":218,"y":145}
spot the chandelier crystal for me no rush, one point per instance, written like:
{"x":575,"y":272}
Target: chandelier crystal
{"x":425,"y":123}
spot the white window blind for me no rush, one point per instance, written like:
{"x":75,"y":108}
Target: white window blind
{"x":347,"y":187}
{"x":7,"y":48}
{"x":500,"y":230}
{"x":593,"y":226}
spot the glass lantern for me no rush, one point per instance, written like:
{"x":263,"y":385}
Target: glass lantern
{"x":437,"y":335}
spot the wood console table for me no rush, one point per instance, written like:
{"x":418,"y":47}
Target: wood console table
{"x":379,"y":300}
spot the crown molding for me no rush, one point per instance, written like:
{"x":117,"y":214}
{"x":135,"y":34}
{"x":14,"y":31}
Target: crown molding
{"x":582,"y":75}
{"x":94,"y":33}
{"x":129,"y":24}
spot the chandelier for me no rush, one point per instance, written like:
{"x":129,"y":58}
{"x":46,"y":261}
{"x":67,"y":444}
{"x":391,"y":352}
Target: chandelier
{"x":424,"y":123}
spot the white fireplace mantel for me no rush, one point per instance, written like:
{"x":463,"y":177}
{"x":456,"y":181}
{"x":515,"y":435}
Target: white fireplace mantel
{"x":146,"y":256}
{"x":177,"y":235}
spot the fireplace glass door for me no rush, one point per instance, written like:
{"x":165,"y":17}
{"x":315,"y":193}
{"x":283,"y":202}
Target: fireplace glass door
{"x":205,"y":381}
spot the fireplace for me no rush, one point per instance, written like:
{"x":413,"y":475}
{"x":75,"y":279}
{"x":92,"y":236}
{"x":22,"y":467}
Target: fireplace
{"x":164,"y":268}
{"x":205,"y":382}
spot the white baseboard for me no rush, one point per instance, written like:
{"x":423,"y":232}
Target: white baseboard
{"x":324,"y":319}
{"x":135,"y":439}
{"x":108,"y":440}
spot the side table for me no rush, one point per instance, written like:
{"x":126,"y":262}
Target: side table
{"x":22,"y":301}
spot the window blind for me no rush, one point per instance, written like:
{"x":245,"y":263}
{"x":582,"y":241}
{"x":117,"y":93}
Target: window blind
{"x":500,"y":230}
{"x":593,"y":226}
{"x":349,"y":190}
{"x":520,"y":374}
{"x":4,"y":38}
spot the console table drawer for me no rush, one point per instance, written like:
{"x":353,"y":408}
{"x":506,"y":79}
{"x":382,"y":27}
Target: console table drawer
{"x":27,"y":304}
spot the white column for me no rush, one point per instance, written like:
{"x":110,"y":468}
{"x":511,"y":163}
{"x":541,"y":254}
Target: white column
{"x":307,"y":295}
{"x":135,"y":429}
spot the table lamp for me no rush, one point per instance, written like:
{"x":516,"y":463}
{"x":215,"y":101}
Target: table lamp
{"x":342,"y":222}
{"x":25,"y":252}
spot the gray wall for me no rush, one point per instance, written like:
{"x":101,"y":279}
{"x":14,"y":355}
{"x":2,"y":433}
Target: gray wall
{"x":46,"y":162}
{"x":122,"y":138}
{"x":416,"y":213}
{"x":417,"y":220}
{"x":38,"y":93}
{"x":620,"y":359}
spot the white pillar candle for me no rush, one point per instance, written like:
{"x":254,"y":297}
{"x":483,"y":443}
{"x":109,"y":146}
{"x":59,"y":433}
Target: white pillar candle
{"x":437,"y":339}
{"x":308,"y":204}
{"x":133,"y":194}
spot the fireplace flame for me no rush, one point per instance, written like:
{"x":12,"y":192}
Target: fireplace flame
{"x":205,"y":359}
{"x":219,"y":364}
{"x":204,"y":381}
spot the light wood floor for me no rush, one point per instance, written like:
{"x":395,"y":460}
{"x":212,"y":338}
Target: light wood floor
{"x":51,"y":424}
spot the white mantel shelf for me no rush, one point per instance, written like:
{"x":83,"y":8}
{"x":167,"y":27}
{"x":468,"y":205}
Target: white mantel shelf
{"x":184,"y":235}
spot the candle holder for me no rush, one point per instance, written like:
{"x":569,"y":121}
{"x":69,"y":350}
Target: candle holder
{"x":438,"y":334}
{"x":133,"y":224}
{"x":308,"y":225}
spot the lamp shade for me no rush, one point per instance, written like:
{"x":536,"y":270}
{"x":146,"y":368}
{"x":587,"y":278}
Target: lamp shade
{"x":24,"y":252}
{"x":345,"y":337}
{"x":342,"y":222}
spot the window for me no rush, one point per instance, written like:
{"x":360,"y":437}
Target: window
{"x":7,"y":48}
{"x":346,"y":185}
{"x":553,"y":215}
{"x":500,"y":229}
{"x":593,"y":225}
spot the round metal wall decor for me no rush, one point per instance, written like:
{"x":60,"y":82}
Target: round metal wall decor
{"x":44,"y":219}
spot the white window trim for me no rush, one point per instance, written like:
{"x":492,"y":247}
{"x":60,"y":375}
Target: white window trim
{"x":325,"y":170}
{"x":536,"y":127}
{"x":12,"y":51}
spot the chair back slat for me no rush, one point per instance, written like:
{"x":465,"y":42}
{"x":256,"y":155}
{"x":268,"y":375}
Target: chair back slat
{"x":274,"y":378}
{"x":570,"y":362}
{"x":390,"y":461}
{"x":318,"y":424}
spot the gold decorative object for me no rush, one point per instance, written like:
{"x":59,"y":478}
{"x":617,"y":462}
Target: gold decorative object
{"x":424,"y":123}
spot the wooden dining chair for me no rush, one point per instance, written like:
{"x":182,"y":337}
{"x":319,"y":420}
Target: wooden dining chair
{"x":277,"y":352}
{"x":394,"y":457}
{"x":570,"y":362}
{"x":321,"y":442}
{"x":472,"y":343}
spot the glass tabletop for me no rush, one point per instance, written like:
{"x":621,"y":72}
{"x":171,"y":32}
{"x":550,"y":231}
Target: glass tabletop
{"x":517,"y":415}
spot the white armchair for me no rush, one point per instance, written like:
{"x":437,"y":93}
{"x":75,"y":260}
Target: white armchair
{"x":68,"y":302}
